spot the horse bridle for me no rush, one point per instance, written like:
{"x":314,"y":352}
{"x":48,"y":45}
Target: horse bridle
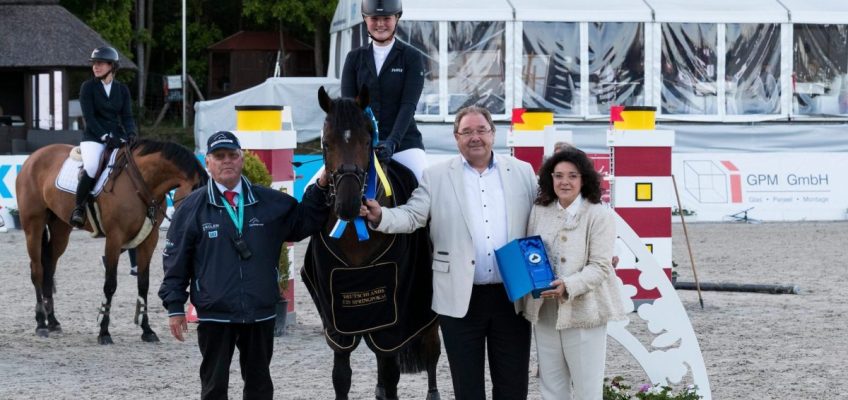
{"x":345,"y":171}
{"x":153,"y":207}
{"x":352,"y":170}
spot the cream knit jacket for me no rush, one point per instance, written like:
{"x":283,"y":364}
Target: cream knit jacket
{"x":580,"y":251}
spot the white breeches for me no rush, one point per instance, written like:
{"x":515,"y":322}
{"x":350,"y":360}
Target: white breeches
{"x":91,"y":152}
{"x":571,"y":361}
{"x":414,"y":159}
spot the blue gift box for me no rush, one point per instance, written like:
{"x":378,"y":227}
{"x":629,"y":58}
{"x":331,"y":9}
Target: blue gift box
{"x":525,"y":267}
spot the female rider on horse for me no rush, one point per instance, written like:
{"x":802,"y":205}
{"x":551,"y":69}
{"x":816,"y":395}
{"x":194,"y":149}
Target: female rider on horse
{"x":394,"y":74}
{"x":107,"y":111}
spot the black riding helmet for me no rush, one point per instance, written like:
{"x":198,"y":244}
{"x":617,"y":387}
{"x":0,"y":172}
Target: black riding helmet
{"x":105,"y":54}
{"x":381,"y":8}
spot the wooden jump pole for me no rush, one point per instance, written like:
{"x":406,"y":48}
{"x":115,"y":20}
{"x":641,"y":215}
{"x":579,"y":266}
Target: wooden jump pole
{"x":688,"y":245}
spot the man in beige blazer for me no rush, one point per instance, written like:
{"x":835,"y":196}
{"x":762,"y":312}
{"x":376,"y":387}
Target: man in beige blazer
{"x":475,"y":203}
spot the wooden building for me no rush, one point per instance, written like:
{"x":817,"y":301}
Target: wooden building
{"x":245,"y":59}
{"x":44,"y":51}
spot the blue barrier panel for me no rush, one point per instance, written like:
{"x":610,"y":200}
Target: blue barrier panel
{"x":309,"y":166}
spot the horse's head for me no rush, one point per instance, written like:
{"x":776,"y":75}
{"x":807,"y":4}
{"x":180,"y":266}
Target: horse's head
{"x":346,"y":143}
{"x":188,"y":185}
{"x":175,"y":166}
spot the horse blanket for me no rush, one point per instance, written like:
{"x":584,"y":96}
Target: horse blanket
{"x":386,"y":301}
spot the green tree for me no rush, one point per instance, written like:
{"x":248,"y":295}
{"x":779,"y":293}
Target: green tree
{"x":310,"y":15}
{"x":110,"y":18}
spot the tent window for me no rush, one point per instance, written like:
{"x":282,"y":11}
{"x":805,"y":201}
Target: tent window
{"x":339,"y":56}
{"x":424,"y":37}
{"x":476,"y":65}
{"x":551,"y":66}
{"x":616,"y":65}
{"x":688,"y":67}
{"x":358,"y":36}
{"x":820,"y":81}
{"x":753,"y":69}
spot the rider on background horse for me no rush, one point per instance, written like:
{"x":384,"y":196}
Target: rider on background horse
{"x":107,"y":111}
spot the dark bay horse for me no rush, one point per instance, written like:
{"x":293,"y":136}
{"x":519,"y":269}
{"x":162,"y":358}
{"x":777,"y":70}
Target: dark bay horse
{"x":133,"y":201}
{"x":378,"y":290}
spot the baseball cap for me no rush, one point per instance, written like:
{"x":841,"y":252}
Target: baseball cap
{"x":222,"y":140}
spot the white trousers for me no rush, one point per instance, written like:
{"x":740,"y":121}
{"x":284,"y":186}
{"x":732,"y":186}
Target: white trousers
{"x":571,"y":361}
{"x":414,"y":159}
{"x":91,"y":152}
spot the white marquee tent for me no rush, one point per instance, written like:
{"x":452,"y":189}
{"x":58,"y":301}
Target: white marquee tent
{"x":716,"y":61}
{"x":750,"y":83}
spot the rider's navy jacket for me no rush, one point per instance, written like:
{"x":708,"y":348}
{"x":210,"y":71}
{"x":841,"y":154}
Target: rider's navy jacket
{"x":394,"y":93}
{"x":106,"y":114}
{"x":200,"y":254}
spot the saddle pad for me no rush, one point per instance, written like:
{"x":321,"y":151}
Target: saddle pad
{"x":364,"y":299}
{"x":68,"y":177}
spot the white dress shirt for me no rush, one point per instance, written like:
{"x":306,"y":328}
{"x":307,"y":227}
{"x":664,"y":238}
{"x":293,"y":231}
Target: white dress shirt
{"x":485,"y":196}
{"x":571,"y":210}
{"x":380,"y":54}
{"x":108,"y":88}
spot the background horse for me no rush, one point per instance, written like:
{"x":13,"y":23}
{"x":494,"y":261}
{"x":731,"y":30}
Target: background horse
{"x":379,"y":289}
{"x":144,"y":172}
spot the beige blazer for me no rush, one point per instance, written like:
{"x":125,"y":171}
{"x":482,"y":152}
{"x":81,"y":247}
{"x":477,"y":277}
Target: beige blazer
{"x":441,"y":199}
{"x":581,"y":252}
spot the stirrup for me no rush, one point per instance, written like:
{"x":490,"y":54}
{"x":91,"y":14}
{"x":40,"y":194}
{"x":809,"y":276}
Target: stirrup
{"x":78,"y":217}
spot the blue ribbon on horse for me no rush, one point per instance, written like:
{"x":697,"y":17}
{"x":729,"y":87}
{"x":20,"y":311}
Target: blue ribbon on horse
{"x":371,"y":179}
{"x":358,"y":223}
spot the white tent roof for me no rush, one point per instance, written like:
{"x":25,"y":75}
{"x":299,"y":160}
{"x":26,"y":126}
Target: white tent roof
{"x":712,"y":11}
{"x":457,"y":10}
{"x":343,"y":16}
{"x":817,"y":11}
{"x":582,"y":11}
{"x":720,"y":11}
{"x":348,"y":11}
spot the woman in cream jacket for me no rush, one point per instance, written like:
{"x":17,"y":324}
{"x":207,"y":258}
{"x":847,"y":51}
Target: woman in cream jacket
{"x":570,"y":320}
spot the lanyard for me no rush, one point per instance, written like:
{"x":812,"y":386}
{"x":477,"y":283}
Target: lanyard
{"x":238,"y":221}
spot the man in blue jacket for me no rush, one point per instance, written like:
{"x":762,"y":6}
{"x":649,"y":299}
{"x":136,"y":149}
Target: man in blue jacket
{"x":224,"y":245}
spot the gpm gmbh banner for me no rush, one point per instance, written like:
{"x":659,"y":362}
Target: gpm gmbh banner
{"x":763,"y":186}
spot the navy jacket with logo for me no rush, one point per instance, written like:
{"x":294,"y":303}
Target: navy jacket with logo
{"x":394,"y":92}
{"x":106,"y":114}
{"x":200,"y":254}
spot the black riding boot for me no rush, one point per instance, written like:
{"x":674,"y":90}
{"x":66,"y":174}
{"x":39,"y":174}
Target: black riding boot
{"x":83,"y":192}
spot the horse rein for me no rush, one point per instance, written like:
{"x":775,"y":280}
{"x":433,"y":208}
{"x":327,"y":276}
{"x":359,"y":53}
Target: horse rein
{"x":153,"y":207}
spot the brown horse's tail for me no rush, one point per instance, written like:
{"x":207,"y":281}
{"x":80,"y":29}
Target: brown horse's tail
{"x":422,"y":351}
